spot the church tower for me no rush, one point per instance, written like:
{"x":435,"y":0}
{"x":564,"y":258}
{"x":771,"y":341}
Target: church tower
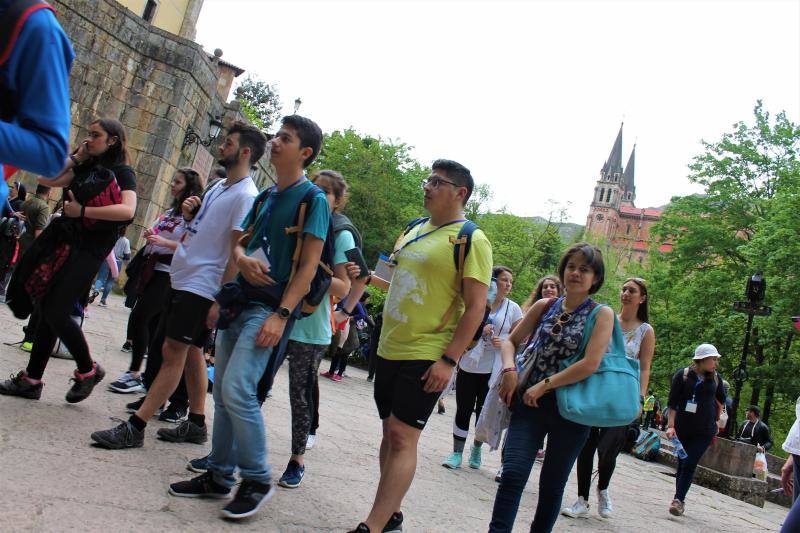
{"x":628,"y":187}
{"x":608,"y":192}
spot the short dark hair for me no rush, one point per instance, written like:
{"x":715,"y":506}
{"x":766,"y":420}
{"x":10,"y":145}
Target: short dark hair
{"x":42,"y":189}
{"x":117,"y":154}
{"x":456,"y":172}
{"x":309,"y":133}
{"x":755,"y":410}
{"x":499,"y":269}
{"x":593,"y":257}
{"x":250,"y":137}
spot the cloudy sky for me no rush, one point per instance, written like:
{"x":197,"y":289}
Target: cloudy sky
{"x":528,"y":95}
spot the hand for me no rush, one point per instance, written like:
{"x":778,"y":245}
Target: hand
{"x":156,"y":239}
{"x":437,"y":376}
{"x":508,"y":386}
{"x":72,"y":208}
{"x":353,"y":270}
{"x":487,"y":330}
{"x":189,"y":205}
{"x":20,"y":216}
{"x":532,"y":395}
{"x":254,"y":271}
{"x":787,"y":477}
{"x":82,"y":153}
{"x":759,"y":448}
{"x":497,"y":342}
{"x":670,"y":433}
{"x":340,"y":317}
{"x":148,"y":232}
{"x":271,"y":331}
{"x":213,"y":316}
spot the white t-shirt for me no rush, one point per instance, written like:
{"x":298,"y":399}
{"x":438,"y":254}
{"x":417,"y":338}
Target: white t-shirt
{"x":792,"y":442}
{"x":484,"y":357}
{"x":201,"y":257}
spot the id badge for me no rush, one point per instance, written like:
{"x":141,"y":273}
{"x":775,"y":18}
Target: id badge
{"x":383,"y":273}
{"x":691,"y":406}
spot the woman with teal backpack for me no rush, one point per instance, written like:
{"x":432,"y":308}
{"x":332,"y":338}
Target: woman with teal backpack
{"x":572,"y":337}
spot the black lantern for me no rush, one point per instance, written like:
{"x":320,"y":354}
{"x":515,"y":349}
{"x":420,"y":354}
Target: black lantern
{"x":192,"y":137}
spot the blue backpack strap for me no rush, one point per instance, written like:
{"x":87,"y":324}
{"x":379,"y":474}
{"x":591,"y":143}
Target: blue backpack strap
{"x":414,"y":223}
{"x":461,"y":246}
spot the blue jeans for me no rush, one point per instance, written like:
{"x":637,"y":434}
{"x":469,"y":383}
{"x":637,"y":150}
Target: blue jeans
{"x":104,"y":280}
{"x":792,"y":522}
{"x":239,"y":438}
{"x":695,"y":446}
{"x":525,"y":437}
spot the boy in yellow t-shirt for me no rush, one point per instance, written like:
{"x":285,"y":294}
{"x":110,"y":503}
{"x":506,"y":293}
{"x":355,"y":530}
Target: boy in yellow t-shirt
{"x":422,"y":338}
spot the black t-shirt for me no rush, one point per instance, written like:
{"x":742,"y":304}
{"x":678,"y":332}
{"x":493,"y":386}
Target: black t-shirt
{"x":100,"y":239}
{"x":704,"y":420}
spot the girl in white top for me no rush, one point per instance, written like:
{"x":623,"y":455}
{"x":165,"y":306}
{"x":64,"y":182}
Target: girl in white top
{"x":640,"y":342}
{"x":479,"y":364}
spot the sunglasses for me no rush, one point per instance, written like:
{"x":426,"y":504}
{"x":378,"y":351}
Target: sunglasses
{"x":562,"y":321}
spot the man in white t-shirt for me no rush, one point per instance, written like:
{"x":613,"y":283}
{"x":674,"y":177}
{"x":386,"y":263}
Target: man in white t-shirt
{"x":213,"y":226}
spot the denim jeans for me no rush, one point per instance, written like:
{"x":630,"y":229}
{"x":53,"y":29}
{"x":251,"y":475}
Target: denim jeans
{"x":525,"y":437}
{"x":104,"y":279}
{"x":239,"y":438}
{"x":792,"y":522}
{"x":695,"y":446}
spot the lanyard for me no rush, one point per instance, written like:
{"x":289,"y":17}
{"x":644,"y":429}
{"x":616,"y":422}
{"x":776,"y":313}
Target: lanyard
{"x":697,"y":386}
{"x":492,"y":316}
{"x":419,"y":237}
{"x":268,"y":208}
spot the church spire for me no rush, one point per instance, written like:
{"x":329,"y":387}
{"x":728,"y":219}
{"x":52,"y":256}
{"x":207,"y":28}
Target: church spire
{"x":628,"y":185}
{"x":614,"y":162}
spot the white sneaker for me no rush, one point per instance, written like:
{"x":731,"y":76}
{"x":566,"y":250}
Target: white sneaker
{"x":604,"y":508}
{"x":580,"y":509}
{"x":310,"y":441}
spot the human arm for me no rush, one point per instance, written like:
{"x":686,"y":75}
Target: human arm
{"x":580,"y":370}
{"x":340,"y":282}
{"x":231,"y":269}
{"x":674,"y":402}
{"x":646,"y":351}
{"x":508,"y":348}
{"x":158,"y":240}
{"x":671,"y":423}
{"x":764,"y":437}
{"x":787,"y":476}
{"x":116,"y":213}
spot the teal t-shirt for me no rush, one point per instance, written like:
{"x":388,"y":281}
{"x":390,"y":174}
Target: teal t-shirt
{"x":283,"y":211}
{"x":316,"y":327}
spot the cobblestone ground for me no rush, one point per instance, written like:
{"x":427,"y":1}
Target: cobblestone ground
{"x":53,"y":480}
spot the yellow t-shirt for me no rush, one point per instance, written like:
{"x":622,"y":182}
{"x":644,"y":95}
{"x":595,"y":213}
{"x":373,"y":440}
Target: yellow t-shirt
{"x":422,"y":289}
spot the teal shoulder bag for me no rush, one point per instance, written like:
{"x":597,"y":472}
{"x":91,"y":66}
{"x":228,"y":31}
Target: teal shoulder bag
{"x":610,"y":396}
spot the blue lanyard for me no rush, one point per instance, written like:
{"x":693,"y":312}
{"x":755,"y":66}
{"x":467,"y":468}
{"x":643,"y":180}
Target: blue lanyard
{"x":419,"y":237}
{"x":268,"y":208}
{"x":697,"y":386}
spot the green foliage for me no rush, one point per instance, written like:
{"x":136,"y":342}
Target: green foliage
{"x":260,"y":102}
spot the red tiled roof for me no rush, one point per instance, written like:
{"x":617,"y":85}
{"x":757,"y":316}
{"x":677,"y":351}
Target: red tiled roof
{"x":648,"y":211}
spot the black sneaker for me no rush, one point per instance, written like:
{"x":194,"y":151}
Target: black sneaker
{"x":395,"y":524}
{"x":93,"y":295}
{"x":134,"y":406}
{"x":249,"y":499}
{"x":173,"y":413}
{"x":361,"y":528}
{"x":19,"y":386}
{"x":187,"y":431}
{"x":82,"y":388}
{"x":125,"y":435}
{"x":202,"y":486}
{"x":127,"y":346}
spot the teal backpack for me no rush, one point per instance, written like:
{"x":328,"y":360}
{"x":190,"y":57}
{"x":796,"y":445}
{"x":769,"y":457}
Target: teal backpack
{"x":610,"y":396}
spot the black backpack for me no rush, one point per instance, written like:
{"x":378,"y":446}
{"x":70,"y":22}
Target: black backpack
{"x":341,"y":223}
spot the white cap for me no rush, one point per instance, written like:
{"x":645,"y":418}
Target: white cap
{"x":705,"y":350}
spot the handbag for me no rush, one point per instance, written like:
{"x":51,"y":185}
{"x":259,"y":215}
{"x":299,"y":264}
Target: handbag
{"x":610,"y":396}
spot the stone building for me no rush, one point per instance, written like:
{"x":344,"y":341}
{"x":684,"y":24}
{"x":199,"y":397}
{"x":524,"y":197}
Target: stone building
{"x":175,"y":16}
{"x":161,"y":85}
{"x":612,"y":213}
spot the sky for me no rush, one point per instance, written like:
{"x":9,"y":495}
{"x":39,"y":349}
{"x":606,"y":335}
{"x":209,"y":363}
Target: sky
{"x":528,"y":95}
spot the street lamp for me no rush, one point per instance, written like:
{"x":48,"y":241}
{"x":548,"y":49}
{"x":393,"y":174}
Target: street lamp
{"x":193,"y":137}
{"x":297,"y":103}
{"x":752,"y":306}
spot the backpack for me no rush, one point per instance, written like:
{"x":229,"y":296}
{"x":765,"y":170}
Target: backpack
{"x":647,"y":446}
{"x":341,"y":223}
{"x":11,"y":24}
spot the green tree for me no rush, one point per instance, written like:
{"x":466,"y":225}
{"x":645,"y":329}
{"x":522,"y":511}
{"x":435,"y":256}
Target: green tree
{"x":260,"y":101}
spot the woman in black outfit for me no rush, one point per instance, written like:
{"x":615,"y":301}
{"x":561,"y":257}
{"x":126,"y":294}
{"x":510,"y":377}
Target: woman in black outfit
{"x":73,"y":246}
{"x":693,"y":399}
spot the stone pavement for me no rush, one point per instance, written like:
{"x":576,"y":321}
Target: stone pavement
{"x":51,"y":479}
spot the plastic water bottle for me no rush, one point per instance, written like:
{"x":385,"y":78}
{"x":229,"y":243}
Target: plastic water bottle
{"x":679,"y":451}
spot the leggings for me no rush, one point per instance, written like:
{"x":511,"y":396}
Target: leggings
{"x":608,"y":443}
{"x":149,"y":305}
{"x":471,"y":392}
{"x":337,"y":355}
{"x":55,"y":309}
{"x":315,"y":407}
{"x":154,"y":359}
{"x":695,"y":446}
{"x":304,"y":362}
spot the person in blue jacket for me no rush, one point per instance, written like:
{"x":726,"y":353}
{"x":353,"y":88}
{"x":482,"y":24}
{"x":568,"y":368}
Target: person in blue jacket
{"x":34,"y":96}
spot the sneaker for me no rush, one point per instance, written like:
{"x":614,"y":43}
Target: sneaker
{"x":498,"y":477}
{"x":310,"y":441}
{"x":134,"y":406}
{"x":475,"y":457}
{"x":249,"y":499}
{"x":453,"y":461}
{"x":19,"y":386}
{"x":173,"y":413}
{"x":360,"y":528}
{"x":293,"y":475}
{"x":580,"y":509}
{"x":125,"y":435}
{"x":186,"y":431}
{"x":604,"y":508}
{"x":370,"y":379}
{"x":676,"y":507}
{"x":26,"y":346}
{"x":326,"y":374}
{"x":83,"y":387}
{"x":540,"y":455}
{"x":336,"y":377}
{"x":127,"y":383}
{"x":198,"y":465}
{"x":93,"y":295}
{"x":440,"y":408}
{"x":395,"y":524}
{"x":127,"y":347}
{"x":202,"y":486}
{"x":102,"y":303}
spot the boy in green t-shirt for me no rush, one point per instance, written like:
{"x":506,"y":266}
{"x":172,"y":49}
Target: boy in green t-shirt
{"x":421,"y":342}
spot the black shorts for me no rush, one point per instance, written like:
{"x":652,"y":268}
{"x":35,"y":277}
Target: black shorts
{"x":186,"y":318}
{"x":399,"y":391}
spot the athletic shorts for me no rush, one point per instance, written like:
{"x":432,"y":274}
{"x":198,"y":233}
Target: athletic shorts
{"x":186,"y":318}
{"x":399,"y":391}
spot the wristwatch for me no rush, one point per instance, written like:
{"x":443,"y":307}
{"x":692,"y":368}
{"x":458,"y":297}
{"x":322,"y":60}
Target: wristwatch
{"x":547,"y":384}
{"x":284,"y":313}
{"x":449,"y":360}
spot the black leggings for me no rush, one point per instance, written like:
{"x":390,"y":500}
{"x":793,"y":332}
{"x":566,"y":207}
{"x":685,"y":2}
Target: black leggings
{"x":315,"y":406}
{"x":149,"y":305}
{"x":55,"y":310}
{"x":337,"y":355}
{"x":608,"y":443}
{"x":154,"y":359}
{"x":471,"y":392}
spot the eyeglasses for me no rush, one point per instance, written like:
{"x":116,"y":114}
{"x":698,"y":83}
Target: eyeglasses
{"x":436,"y":181}
{"x":562,"y":321}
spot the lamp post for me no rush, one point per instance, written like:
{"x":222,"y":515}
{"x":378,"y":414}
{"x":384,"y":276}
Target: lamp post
{"x":193,"y":137}
{"x":297,"y":104}
{"x":752,"y":306}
